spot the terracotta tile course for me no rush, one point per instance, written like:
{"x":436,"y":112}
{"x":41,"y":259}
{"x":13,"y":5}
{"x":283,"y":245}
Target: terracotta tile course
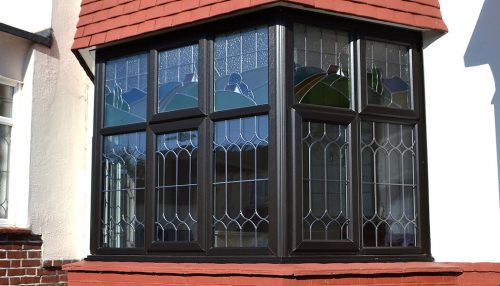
{"x":154,"y":12}
{"x":90,"y":8}
{"x":181,"y":18}
{"x":207,"y":2}
{"x":200,"y":13}
{"x":109,"y":3}
{"x":147,"y":26}
{"x":189,"y":4}
{"x":147,"y":3}
{"x":98,"y":16}
{"x":172,"y":8}
{"x":163,"y":22}
{"x":85,"y":20}
{"x":131,"y":7}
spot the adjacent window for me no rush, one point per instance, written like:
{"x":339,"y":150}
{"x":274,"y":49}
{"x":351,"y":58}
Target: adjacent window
{"x":205,"y":150}
{"x":6,"y":97}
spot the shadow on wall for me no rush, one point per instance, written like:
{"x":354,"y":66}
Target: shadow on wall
{"x":484,"y":48}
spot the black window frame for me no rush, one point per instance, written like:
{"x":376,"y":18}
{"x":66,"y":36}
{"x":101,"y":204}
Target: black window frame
{"x":284,"y":159}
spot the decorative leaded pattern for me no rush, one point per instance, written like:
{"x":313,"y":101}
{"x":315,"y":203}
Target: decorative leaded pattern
{"x":6,"y":100}
{"x":178,"y":78}
{"x":5,"y":131}
{"x":389,"y":184}
{"x":240,"y":187}
{"x":241,"y":69}
{"x":125,"y":90}
{"x":176,"y":186}
{"x":388,"y":75}
{"x":321,"y":66}
{"x":123,"y":163}
{"x":326,"y":200}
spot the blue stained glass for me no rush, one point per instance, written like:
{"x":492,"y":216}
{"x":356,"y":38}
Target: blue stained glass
{"x":178,"y":79}
{"x":125,"y":91}
{"x":241,"y":69}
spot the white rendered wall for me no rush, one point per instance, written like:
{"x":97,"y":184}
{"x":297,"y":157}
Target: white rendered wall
{"x":60,"y":142}
{"x":463,"y":139}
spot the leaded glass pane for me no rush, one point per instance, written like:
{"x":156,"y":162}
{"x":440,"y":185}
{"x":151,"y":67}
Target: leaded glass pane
{"x":241,"y":69}
{"x":326,"y":199}
{"x":240,"y":188}
{"x":123,"y":165}
{"x":389,"y":185}
{"x":125,"y":91}
{"x":4,"y":168}
{"x":388,"y":75}
{"x":178,"y":79}
{"x":176,"y":213}
{"x":321,"y":66}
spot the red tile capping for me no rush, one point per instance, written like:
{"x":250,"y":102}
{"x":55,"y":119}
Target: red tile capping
{"x":264,"y":269}
{"x":114,"y":16}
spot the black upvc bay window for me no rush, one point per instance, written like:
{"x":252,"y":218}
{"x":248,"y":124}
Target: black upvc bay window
{"x":300,"y":139}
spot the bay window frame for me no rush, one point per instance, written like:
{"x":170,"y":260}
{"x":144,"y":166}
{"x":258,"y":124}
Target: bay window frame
{"x":285,"y":119}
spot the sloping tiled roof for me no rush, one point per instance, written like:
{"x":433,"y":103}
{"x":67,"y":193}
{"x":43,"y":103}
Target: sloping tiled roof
{"x":104,"y":21}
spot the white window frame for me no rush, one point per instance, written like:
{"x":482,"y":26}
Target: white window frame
{"x":9,"y":220}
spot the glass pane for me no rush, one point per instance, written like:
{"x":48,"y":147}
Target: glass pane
{"x":176,"y":214}
{"x":321,"y":66}
{"x":178,"y":79}
{"x":4,"y":168}
{"x":123,"y":165}
{"x":241,"y":69}
{"x":326,"y":200}
{"x":125,"y":91}
{"x":389,"y":185}
{"x":240,"y":204}
{"x":6,"y":94}
{"x":388,"y":75}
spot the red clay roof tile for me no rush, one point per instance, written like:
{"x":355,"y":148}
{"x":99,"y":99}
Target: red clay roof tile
{"x":104,"y":21}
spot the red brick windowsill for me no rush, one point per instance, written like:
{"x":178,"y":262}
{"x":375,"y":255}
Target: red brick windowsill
{"x":86,"y":273}
{"x":265,"y":269}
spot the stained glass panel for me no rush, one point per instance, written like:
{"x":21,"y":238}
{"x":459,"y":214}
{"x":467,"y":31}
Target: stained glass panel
{"x":125,"y":90}
{"x":241,"y":69}
{"x":388,"y":75}
{"x":178,"y":79}
{"x":321,"y":66}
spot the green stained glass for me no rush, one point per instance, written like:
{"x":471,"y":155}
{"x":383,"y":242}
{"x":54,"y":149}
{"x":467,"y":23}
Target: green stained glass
{"x":322,"y":69}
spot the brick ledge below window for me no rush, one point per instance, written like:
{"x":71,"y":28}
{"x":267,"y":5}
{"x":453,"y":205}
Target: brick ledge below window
{"x":265,"y":274}
{"x":270,"y":270}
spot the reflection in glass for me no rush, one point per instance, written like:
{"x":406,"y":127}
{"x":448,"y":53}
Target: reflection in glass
{"x":125,"y":91}
{"x":326,"y":212}
{"x":176,"y":186}
{"x":4,"y":168}
{"x":388,"y":75}
{"x":241,"y":69}
{"x":240,"y":188}
{"x":389,"y":185}
{"x":123,"y":165}
{"x":322,"y":69}
{"x":178,"y":79}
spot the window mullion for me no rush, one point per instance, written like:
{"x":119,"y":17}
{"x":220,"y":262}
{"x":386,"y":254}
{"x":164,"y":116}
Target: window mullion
{"x":150,"y":149}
